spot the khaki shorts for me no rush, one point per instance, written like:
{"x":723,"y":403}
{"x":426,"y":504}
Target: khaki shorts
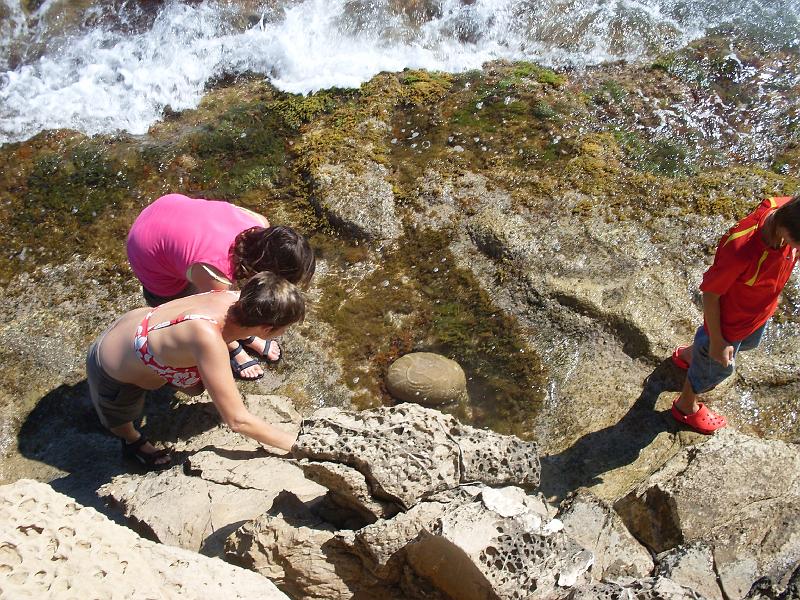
{"x":116,"y":403}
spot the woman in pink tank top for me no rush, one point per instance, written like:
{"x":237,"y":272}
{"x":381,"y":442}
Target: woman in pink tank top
{"x":180,"y":246}
{"x":184,"y":343}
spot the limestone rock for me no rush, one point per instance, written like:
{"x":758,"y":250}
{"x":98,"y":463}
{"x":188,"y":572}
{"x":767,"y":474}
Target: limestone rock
{"x":594,"y":524}
{"x":195,"y":509}
{"x":605,"y":283}
{"x":52,"y":547}
{"x":381,"y":546}
{"x":738,"y":494}
{"x":362,"y":203}
{"x":499,"y":547}
{"x":407,"y":453}
{"x":426,"y":378}
{"x":766,"y":589}
{"x":691,"y":565}
{"x":655,"y":588}
{"x":296,"y":550}
{"x":231,"y":480}
{"x":348,"y":488}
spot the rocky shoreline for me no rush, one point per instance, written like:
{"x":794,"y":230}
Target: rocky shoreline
{"x":512,"y":219}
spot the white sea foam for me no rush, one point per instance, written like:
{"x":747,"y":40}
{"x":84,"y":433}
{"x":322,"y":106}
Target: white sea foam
{"x":105,"y":77}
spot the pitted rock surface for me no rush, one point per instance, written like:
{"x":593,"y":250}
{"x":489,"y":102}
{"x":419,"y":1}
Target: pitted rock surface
{"x":501,"y":546}
{"x":738,"y":494}
{"x":593,"y":523}
{"x":52,"y":547}
{"x":408,"y":453}
{"x":426,"y":378}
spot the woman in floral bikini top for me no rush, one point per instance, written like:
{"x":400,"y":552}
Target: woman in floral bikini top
{"x":188,"y":349}
{"x":180,"y":377}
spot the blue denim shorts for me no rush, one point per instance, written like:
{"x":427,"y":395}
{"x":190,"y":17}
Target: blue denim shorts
{"x":705,"y":373}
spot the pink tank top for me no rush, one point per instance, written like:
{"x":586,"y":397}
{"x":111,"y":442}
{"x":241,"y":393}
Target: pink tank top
{"x":176,"y":231}
{"x":182,"y":377}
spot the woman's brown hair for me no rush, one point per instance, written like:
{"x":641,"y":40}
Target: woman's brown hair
{"x":268,"y":299}
{"x":278,"y":249}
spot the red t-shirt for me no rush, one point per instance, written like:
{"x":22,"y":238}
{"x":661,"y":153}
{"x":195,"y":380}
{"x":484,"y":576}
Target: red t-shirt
{"x":748,"y":275}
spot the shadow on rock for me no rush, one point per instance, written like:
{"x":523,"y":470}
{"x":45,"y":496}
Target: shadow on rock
{"x":592,"y":455}
{"x":63,"y":431}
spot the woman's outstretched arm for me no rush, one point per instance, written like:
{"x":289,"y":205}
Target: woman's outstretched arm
{"x":214,"y":366}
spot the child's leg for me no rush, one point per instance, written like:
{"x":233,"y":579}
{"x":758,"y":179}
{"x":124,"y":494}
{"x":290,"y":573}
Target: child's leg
{"x":704,"y":374}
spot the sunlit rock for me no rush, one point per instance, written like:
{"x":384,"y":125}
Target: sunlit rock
{"x":594,"y":524}
{"x":52,"y":547}
{"x":738,"y":494}
{"x":691,"y":565}
{"x":407,"y":453}
{"x":193,"y":505}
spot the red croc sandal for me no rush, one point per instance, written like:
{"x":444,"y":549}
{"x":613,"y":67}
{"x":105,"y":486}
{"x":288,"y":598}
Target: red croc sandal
{"x":703,"y":421}
{"x":677,"y":360}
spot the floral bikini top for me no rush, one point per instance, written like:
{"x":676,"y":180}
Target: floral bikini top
{"x":182,"y":377}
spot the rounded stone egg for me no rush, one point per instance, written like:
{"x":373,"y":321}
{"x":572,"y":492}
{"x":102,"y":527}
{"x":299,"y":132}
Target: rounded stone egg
{"x":426,"y":378}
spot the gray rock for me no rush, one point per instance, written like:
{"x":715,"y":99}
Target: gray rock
{"x":738,"y":494}
{"x":655,"y":588}
{"x":381,"y":546}
{"x":407,"y":453}
{"x":426,"y":378}
{"x":766,"y":589}
{"x":294,"y":549}
{"x":593,"y":524}
{"x":52,"y":547}
{"x":197,"y":508}
{"x":691,"y":565}
{"x":606,"y":284}
{"x":348,"y":489}
{"x":230,"y":480}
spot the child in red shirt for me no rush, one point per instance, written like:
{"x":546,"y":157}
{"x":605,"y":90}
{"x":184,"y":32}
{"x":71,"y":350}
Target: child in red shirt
{"x":740,"y":293}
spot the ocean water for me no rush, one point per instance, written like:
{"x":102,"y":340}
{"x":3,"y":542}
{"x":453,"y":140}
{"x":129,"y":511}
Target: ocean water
{"x":98,"y":67}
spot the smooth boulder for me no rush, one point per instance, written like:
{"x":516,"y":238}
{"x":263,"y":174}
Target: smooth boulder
{"x":426,"y":378}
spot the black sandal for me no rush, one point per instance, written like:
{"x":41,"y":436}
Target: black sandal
{"x":146,"y":459}
{"x":238,"y":368}
{"x":265,"y":356}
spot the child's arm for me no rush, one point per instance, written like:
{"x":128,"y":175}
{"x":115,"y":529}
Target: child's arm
{"x":719,"y":349}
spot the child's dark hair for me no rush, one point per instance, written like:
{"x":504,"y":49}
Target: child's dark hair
{"x":268,"y":299}
{"x":279,"y":249}
{"x":788,"y":217}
